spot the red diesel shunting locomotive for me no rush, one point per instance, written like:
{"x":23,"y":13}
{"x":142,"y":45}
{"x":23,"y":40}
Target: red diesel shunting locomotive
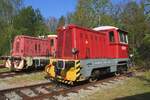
{"x":30,"y":51}
{"x":88,"y":53}
{"x":92,"y":44}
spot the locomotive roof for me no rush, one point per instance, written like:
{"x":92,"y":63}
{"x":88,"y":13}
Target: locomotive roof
{"x":39,"y":37}
{"x":31,"y":37}
{"x":101,"y":28}
{"x":75,"y":26}
{"x":98,"y":30}
{"x":51,"y":35}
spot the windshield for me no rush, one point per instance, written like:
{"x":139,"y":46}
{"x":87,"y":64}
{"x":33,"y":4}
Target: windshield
{"x":123,"y":38}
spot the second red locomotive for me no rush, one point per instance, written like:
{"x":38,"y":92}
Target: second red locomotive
{"x":31,"y":52}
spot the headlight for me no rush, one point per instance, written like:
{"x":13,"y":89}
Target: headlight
{"x":74,"y":50}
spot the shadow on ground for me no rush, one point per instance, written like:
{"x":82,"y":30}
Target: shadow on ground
{"x":144,"y":96}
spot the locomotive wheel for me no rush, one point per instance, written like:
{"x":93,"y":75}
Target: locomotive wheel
{"x":92,"y":79}
{"x":121,"y":70}
{"x":117,"y":74}
{"x":94,"y":76}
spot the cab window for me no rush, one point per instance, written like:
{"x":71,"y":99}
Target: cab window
{"x":52,"y":42}
{"x":111,"y":36}
{"x":35,"y":47}
{"x":123,"y":38}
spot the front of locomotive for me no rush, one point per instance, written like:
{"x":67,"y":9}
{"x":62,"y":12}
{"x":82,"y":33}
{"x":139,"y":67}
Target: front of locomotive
{"x":65,"y":67}
{"x":64,"y":70}
{"x":14,"y":62}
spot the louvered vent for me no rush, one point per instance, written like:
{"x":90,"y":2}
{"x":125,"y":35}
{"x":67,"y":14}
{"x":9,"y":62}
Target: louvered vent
{"x":60,"y":41}
{"x":68,"y":44}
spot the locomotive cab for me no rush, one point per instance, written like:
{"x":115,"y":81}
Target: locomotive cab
{"x":116,"y":41}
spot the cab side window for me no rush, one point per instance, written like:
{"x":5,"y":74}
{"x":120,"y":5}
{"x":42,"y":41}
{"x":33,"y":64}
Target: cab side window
{"x":111,"y":36}
{"x":121,"y":37}
{"x":17,"y":46}
{"x":35,"y":47}
{"x":52,"y":42}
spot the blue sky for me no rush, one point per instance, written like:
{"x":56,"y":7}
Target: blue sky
{"x":54,"y":8}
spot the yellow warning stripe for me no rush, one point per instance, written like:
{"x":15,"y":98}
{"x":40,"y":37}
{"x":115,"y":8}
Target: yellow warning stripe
{"x":78,"y":68}
{"x":77,"y":65}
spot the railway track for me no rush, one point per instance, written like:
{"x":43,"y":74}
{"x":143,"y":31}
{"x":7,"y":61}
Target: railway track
{"x":28,"y":92}
{"x":2,"y":66}
{"x":50,"y":96}
{"x":49,"y":90}
{"x":23,"y":92}
{"x":8,"y":74}
{"x":12,"y":74}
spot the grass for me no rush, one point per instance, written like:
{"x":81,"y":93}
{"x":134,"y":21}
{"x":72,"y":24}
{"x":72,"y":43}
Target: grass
{"x":29,"y":77}
{"x":1,"y":62}
{"x":25,"y":79}
{"x":22,"y":80}
{"x":137,"y":88}
{"x":4,"y":70}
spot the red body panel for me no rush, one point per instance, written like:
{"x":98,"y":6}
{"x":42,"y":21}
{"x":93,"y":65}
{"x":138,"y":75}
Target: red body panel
{"x":24,"y":46}
{"x":89,"y":43}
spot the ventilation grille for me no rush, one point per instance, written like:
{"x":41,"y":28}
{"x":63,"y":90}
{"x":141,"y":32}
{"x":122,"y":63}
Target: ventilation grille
{"x":60,"y":41}
{"x":68,"y":44}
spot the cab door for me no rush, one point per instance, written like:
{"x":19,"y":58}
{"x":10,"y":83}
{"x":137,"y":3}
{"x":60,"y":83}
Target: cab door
{"x":112,"y":46}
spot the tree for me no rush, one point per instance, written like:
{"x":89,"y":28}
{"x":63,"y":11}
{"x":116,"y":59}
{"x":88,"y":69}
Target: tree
{"x":134,"y":22}
{"x":147,"y":9}
{"x":69,"y":18}
{"x":90,"y":13}
{"x":144,"y":50}
{"x":8,"y":9}
{"x":61,"y":21}
{"x":26,"y":21}
{"x":29,"y":22}
{"x":52,"y":24}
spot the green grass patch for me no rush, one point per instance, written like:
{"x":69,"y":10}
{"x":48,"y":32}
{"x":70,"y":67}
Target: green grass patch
{"x":4,"y":70}
{"x":1,"y":62}
{"x":27,"y":78}
{"x":137,"y":88}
